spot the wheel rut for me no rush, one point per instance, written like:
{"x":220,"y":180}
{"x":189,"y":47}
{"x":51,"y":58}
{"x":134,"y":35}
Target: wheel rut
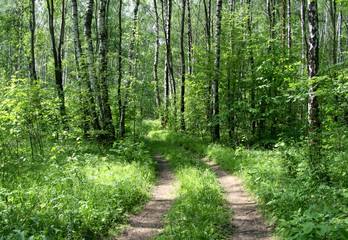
{"x":148,"y":223}
{"x":248,"y":223}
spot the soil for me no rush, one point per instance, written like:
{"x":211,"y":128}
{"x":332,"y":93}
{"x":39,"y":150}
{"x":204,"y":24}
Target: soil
{"x":148,"y":224}
{"x":248,"y":223}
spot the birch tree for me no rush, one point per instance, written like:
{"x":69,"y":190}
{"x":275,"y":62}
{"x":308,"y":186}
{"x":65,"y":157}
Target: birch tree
{"x":215,"y":87}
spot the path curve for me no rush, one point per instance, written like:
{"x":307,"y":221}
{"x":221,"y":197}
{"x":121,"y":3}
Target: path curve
{"x":248,"y":223}
{"x":147,"y":223}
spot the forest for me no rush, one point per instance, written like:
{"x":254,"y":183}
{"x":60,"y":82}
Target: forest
{"x":94,"y":94}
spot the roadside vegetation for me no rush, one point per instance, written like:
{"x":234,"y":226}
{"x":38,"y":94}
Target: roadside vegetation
{"x":300,"y":206}
{"x":79,"y":190}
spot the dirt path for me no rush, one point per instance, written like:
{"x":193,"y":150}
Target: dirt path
{"x":248,"y":223}
{"x":147,"y":224}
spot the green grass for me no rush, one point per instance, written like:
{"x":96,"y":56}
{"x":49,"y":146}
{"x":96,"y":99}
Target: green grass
{"x":199,"y":210}
{"x":300,"y":207}
{"x":79,"y":191}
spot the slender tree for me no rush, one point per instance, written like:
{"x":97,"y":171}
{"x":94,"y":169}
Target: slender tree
{"x":119,"y":80}
{"x":33,"y":76}
{"x":189,"y":39}
{"x":155,"y":63}
{"x":57,"y":51}
{"x":105,"y":116}
{"x":130,"y":68}
{"x":82,"y":76}
{"x":215,"y":87}
{"x":182,"y":53}
{"x":313,"y":69}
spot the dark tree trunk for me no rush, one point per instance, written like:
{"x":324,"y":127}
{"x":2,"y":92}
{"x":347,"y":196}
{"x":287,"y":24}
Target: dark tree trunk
{"x":119,"y":80}
{"x":215,"y":87}
{"x":33,"y":76}
{"x":88,"y":104}
{"x":57,"y":55}
{"x":313,"y":103}
{"x":207,"y":23}
{"x":339,"y":37}
{"x":289,"y":27}
{"x":130,"y":69}
{"x":92,"y":83}
{"x":182,"y":53}
{"x":105,"y":117}
{"x":155,"y":63}
{"x":189,"y":39}
{"x":304,"y":33}
{"x":333,"y":7}
{"x":169,"y":74}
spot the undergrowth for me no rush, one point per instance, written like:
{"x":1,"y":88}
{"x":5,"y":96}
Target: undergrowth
{"x":80,"y":190}
{"x":199,"y":210}
{"x":300,"y":207}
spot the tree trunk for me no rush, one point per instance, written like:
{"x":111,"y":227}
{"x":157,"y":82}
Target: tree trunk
{"x":284,"y":24}
{"x":155,"y":63}
{"x":169,"y":74}
{"x":189,"y":39}
{"x":289,"y":27}
{"x":57,"y":55}
{"x":304,"y":35}
{"x":313,"y":103}
{"x":119,"y":80}
{"x":182,"y":53}
{"x":33,"y":76}
{"x":130,"y":69}
{"x":207,"y":33}
{"x":92,"y":82}
{"x":334,"y":30}
{"x":339,"y":37}
{"x":215,"y":87}
{"x":105,"y":117}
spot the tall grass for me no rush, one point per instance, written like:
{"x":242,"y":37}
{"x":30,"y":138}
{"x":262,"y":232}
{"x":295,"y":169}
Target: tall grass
{"x":77,"y":192}
{"x":199,"y":210}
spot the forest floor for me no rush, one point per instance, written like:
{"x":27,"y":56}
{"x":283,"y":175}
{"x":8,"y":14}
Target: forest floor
{"x":148,"y":223}
{"x":247,"y":222}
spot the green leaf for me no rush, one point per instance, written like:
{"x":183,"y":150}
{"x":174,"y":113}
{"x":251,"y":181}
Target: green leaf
{"x":323,"y":229}
{"x":344,"y":233}
{"x":308,"y":227}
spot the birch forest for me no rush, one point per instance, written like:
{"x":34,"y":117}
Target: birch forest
{"x":92,"y":90}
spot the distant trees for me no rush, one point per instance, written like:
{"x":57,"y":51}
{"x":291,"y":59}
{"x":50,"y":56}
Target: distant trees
{"x":241,"y":74}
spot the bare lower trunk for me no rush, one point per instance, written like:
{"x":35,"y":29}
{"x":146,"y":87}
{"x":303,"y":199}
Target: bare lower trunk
{"x":182,"y":53}
{"x":289,"y":26}
{"x":130,"y":69}
{"x":304,"y":36}
{"x":33,"y":76}
{"x":88,"y":104}
{"x":155,"y":64}
{"x":215,"y":87}
{"x":105,"y":117}
{"x":189,"y":39}
{"x":92,"y":83}
{"x":119,"y":80}
{"x":313,"y":103}
{"x":57,"y":55}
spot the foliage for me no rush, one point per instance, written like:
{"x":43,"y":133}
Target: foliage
{"x":77,"y":192}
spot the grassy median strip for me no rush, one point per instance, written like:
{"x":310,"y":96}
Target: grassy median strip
{"x":199,"y":211}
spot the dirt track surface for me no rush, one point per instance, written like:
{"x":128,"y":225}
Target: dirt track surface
{"x":148,"y":223}
{"x":248,"y":223}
